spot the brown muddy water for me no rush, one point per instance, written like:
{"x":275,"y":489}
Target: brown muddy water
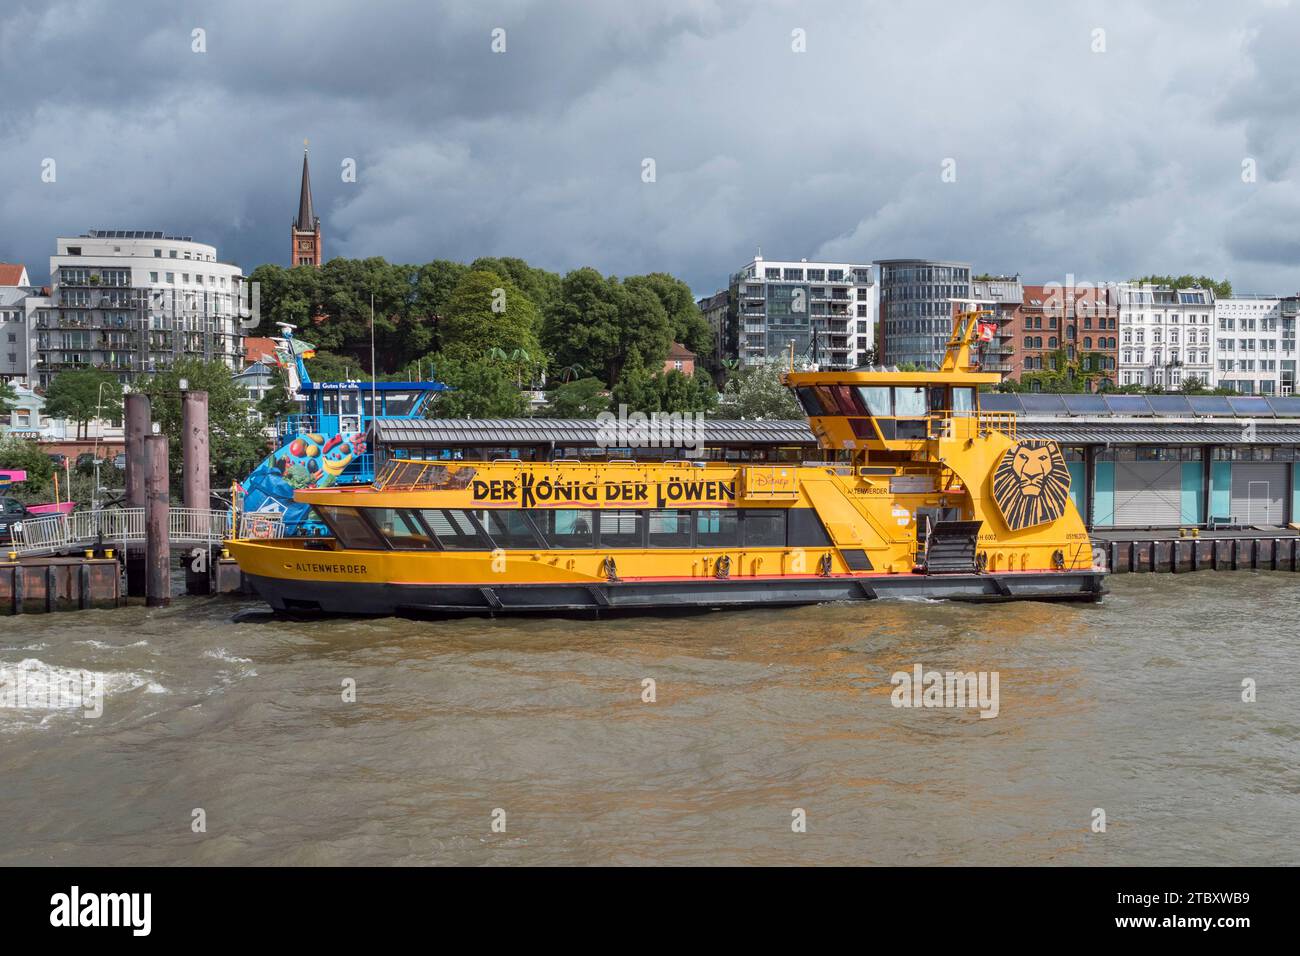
{"x":1133,"y":706}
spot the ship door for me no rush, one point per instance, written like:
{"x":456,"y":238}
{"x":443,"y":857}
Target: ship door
{"x":349,"y":413}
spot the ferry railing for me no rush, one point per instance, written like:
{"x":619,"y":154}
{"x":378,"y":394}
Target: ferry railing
{"x":261,"y":526}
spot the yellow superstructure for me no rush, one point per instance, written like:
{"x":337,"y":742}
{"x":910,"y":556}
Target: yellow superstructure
{"x":922,"y":493}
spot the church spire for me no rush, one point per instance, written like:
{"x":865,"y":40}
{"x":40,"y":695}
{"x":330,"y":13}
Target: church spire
{"x":306,"y":228}
{"x":306,"y":215}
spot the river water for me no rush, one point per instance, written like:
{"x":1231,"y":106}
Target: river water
{"x":1132,"y":707}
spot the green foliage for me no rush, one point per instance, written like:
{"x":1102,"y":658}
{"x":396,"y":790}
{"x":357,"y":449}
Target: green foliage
{"x":688,"y":326}
{"x":276,"y":402}
{"x":581,"y":398}
{"x":600,"y":324}
{"x":82,"y":395}
{"x":7,"y":397}
{"x":679,"y":392}
{"x":20,"y":455}
{"x":235,"y":440}
{"x":757,"y":393}
{"x":1222,"y":287}
{"x":482,"y":389}
{"x":488,"y":312}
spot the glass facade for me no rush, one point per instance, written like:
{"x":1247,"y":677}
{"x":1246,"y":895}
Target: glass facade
{"x":915,"y":308}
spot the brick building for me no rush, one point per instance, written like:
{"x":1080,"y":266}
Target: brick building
{"x":1079,"y":322}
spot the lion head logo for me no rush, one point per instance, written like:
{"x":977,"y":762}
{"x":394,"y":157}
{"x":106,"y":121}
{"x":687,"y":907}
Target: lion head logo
{"x":1031,"y":484}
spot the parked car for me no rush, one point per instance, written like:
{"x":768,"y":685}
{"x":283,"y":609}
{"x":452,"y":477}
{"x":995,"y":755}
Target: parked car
{"x":120,"y":461}
{"x":57,"y":458}
{"x":11,"y":510}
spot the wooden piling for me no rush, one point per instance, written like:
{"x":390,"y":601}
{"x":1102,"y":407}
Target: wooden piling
{"x":195,"y":468}
{"x":157,"y":546}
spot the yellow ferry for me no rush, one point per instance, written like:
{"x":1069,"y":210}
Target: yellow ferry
{"x":923,"y":495}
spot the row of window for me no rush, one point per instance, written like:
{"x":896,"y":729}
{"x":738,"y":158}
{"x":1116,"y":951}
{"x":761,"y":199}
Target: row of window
{"x":538,"y":529}
{"x":882,"y":401}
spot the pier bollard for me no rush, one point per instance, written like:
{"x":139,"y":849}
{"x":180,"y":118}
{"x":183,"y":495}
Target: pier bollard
{"x":157,"y":546}
{"x":138,"y":427}
{"x":195,"y":469}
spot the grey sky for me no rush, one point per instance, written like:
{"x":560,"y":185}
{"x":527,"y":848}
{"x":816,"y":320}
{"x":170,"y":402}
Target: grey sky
{"x":1104,"y":164}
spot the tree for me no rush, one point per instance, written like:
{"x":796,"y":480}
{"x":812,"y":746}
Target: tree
{"x":581,"y":398}
{"x":1222,"y":287}
{"x":757,"y":393}
{"x":636,"y":389}
{"x":8,"y":397}
{"x":17,"y":454}
{"x":235,"y":440}
{"x":487,"y":312}
{"x":82,"y":395}
{"x":679,"y":392}
{"x":481,"y":389}
{"x":688,"y":326}
{"x":601,"y":323}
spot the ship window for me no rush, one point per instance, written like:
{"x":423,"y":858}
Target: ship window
{"x":963,"y":400}
{"x":349,"y":527}
{"x":455,"y":529}
{"x":670,"y":529}
{"x":811,"y":403}
{"x":909,"y":402}
{"x":806,"y":530}
{"x":764,"y":528}
{"x":565,"y":527}
{"x":622,"y":529}
{"x":876,"y":397}
{"x":509,"y":528}
{"x":716,"y":528}
{"x":402,"y":528}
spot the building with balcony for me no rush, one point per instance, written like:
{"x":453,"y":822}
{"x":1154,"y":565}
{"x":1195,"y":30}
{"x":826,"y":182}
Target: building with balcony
{"x":1165,"y":336}
{"x":1077,"y":324}
{"x":1002,"y":296}
{"x":916,"y":308}
{"x":1254,"y":344}
{"x":821,"y":314}
{"x":15,"y":335}
{"x":134,"y":302}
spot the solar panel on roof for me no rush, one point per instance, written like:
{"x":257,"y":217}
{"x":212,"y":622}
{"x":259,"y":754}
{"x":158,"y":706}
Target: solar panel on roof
{"x":1042,"y":403}
{"x":1000,"y":402}
{"x":1170,"y":404}
{"x":1250,"y":405}
{"x":1286,"y":406}
{"x":1128,"y":405}
{"x":1085,"y":404}
{"x":1209,"y":405}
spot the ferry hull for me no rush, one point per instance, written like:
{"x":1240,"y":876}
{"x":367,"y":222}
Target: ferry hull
{"x":371,"y":598}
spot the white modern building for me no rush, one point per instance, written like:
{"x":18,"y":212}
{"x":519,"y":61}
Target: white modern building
{"x":1255,"y":349}
{"x":822,"y":313}
{"x":1166,"y":336}
{"x":134,"y":302}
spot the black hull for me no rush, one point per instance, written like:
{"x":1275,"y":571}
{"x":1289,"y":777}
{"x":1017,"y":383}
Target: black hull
{"x":704,"y":593}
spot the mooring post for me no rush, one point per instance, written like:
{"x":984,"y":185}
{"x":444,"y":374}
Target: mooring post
{"x":157,"y":547}
{"x":196,"y":490}
{"x":137,"y":427}
{"x":195,"y":472}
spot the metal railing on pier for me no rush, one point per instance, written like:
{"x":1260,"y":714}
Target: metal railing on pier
{"x":121,"y":526}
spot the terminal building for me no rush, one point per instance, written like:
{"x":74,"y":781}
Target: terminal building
{"x":1136,"y":461}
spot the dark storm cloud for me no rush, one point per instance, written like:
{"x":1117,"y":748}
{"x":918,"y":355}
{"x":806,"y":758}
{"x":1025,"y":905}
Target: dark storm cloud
{"x":1105,"y":164}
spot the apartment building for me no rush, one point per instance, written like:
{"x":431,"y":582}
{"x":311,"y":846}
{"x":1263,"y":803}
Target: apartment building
{"x":916,"y":308}
{"x":1255,"y":344}
{"x":1166,"y":336}
{"x":134,"y":302}
{"x":714,"y":308}
{"x":1002,"y":296}
{"x":821,"y":313}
